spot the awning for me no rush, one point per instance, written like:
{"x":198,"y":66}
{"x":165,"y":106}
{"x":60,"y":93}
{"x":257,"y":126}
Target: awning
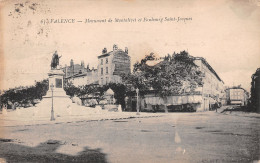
{"x":236,"y":102}
{"x":174,"y":100}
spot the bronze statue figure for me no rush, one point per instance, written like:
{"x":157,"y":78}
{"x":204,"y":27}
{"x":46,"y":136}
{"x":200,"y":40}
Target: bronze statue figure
{"x":55,"y":60}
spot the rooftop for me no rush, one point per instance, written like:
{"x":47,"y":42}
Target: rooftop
{"x":112,"y":52}
{"x":236,"y":87}
{"x":81,"y":74}
{"x":209,"y":67}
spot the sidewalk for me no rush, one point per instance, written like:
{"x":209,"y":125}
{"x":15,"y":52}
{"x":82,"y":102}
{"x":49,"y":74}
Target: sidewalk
{"x":232,"y":111}
{"x":222,"y":108}
{"x":12,"y":119}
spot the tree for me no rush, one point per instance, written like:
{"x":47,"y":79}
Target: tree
{"x":41,"y":88}
{"x":25,"y":95}
{"x":71,"y":90}
{"x":175,"y":74}
{"x":89,"y":89}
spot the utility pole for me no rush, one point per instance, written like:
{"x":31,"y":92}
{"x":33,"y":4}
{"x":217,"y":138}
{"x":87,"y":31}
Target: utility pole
{"x":137,"y":101}
{"x":52,"y":111}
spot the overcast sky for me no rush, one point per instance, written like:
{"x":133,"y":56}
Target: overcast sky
{"x":225,"y":32}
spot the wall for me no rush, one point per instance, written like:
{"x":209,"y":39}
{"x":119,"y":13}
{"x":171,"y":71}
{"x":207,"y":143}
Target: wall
{"x":213,"y":88}
{"x":87,"y":78}
{"x":237,"y":96}
{"x":113,"y":64}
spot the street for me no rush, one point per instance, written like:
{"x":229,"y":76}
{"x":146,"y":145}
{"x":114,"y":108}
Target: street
{"x":173,"y":137}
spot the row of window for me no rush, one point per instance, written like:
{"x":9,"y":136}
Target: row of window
{"x":236,"y":93}
{"x":103,"y":72}
{"x":102,"y":61}
{"x":102,"y":81}
{"x":122,"y":60}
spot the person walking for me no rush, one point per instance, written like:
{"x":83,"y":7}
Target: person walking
{"x":216,"y":106}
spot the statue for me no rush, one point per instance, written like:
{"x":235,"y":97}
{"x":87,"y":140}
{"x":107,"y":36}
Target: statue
{"x":55,"y":60}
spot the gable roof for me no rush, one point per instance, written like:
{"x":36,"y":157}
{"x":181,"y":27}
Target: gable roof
{"x":208,"y":66}
{"x":111,"y":53}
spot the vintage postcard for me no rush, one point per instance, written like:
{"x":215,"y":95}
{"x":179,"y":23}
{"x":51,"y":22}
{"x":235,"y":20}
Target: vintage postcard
{"x":129,"y":81}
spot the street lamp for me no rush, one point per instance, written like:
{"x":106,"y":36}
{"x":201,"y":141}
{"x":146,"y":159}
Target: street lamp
{"x":52,"y":111}
{"x":137,"y":101}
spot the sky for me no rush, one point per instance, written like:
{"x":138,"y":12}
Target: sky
{"x":224,"y":32}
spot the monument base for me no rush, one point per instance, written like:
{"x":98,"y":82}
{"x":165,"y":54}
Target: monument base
{"x":61,"y":105}
{"x":56,"y":93}
{"x":55,"y":98}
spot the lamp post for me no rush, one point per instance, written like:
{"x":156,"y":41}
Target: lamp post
{"x":137,"y":101}
{"x":52,"y":111}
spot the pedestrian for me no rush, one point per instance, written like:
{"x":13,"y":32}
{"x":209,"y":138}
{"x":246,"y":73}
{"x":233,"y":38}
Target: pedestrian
{"x":216,"y":106}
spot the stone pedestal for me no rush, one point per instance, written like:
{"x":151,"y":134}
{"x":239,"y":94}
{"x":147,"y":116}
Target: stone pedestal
{"x":55,"y":96}
{"x":56,"y":79}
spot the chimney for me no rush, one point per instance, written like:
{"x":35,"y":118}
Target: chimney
{"x":82,"y":64}
{"x":72,"y":66}
{"x":115,"y":47}
{"x":71,"y":63}
{"x":104,"y":51}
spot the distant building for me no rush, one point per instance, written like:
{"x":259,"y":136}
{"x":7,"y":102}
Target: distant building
{"x":80,"y":75}
{"x":113,"y":64}
{"x":237,"y":96}
{"x":255,"y":91}
{"x":86,"y":78}
{"x":74,"y":69}
{"x":110,"y":66}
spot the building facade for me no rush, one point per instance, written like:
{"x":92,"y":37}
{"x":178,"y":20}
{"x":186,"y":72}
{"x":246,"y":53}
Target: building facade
{"x":237,"y":96}
{"x":110,"y":66}
{"x":86,"y":78}
{"x":74,"y":69}
{"x":204,"y":98}
{"x":113,"y":64}
{"x":213,"y":90}
{"x":255,"y":91}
